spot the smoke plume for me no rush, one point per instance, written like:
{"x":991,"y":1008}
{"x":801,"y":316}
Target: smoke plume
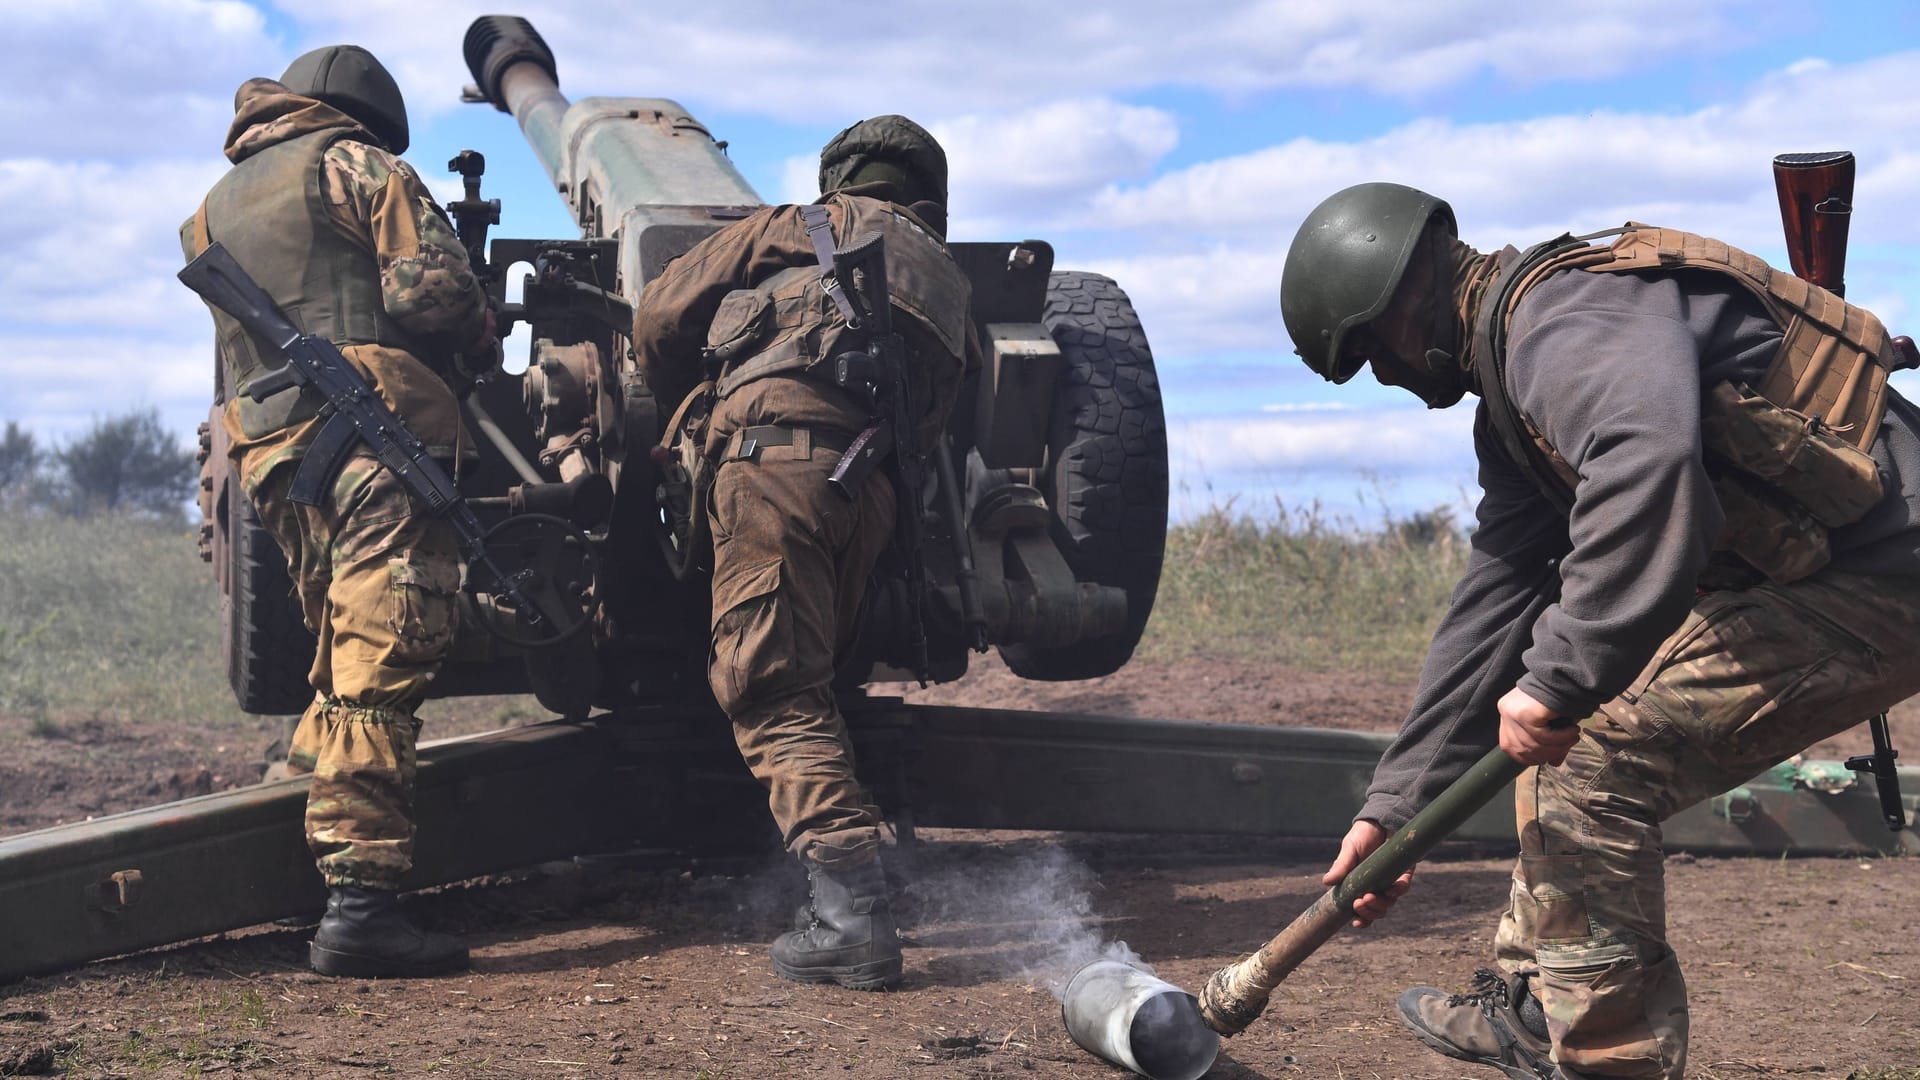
{"x":1031,"y":910}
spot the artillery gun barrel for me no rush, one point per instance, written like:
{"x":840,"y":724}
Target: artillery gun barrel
{"x":623,"y":163}
{"x":514,"y":69}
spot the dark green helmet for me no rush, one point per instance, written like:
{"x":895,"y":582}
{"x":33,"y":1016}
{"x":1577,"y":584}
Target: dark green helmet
{"x":888,"y":148}
{"x":1344,"y":264}
{"x":348,"y":78}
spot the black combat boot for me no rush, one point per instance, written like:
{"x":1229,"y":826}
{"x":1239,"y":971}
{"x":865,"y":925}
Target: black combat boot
{"x":365,"y":934}
{"x":1497,"y":1023}
{"x":850,"y":938}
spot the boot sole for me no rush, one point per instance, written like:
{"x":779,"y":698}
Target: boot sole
{"x":873,"y":975}
{"x":346,"y":965}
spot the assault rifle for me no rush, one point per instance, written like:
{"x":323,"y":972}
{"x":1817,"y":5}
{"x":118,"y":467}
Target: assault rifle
{"x":1816,"y":206}
{"x":354,"y":414}
{"x":881,"y":375}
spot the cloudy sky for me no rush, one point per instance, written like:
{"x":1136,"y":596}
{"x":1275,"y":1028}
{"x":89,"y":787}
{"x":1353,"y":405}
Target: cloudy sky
{"x":1175,"y":146}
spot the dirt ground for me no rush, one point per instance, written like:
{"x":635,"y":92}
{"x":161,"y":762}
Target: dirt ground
{"x":1797,"y":967}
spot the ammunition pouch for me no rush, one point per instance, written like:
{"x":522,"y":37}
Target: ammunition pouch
{"x":1789,"y":460}
{"x":781,"y":327}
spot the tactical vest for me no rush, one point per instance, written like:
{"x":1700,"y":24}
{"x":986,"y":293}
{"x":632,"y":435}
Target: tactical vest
{"x":788,"y":323}
{"x":269,"y":212}
{"x":1788,"y":458}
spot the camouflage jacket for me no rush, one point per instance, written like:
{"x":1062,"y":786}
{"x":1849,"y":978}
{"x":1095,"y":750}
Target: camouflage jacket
{"x":427,"y":287}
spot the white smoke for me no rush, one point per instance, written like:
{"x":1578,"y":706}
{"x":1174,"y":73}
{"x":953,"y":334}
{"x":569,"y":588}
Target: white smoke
{"x":1035,"y":909}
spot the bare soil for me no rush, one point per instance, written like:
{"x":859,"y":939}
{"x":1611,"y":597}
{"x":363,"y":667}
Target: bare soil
{"x":1797,"y":967}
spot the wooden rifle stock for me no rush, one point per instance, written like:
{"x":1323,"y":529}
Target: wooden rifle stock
{"x":1816,"y":205}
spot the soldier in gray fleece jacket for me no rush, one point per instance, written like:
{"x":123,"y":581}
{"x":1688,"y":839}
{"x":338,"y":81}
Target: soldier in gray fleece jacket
{"x":1603,"y":585}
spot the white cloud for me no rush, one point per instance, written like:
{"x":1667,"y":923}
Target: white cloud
{"x":799,"y":179}
{"x":1351,"y":465}
{"x":124,"y":78}
{"x":1010,"y":172}
{"x":59,"y":384}
{"x":1396,"y":439}
{"x":1218,"y":231}
{"x":1705,"y":170}
{"x":95,"y":245}
{"x":938,"y":58}
{"x":1224,"y":297}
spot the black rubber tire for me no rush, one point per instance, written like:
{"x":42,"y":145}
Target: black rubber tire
{"x":1106,"y":472}
{"x":269,"y":651}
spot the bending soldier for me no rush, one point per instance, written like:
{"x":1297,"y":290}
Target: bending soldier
{"x":345,"y":237}
{"x":1709,"y":450}
{"x":747,"y":309}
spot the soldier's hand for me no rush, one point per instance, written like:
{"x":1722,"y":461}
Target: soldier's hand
{"x":1360,"y":842}
{"x":1527,"y":734}
{"x":483,"y":355}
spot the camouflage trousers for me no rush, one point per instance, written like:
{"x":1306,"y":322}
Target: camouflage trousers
{"x":378,"y":585}
{"x":1751,"y":678}
{"x":790,"y":564}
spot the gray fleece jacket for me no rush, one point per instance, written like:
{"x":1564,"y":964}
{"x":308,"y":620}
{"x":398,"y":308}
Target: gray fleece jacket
{"x":1611,"y":368}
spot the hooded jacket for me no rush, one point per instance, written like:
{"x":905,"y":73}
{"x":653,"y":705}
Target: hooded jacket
{"x":358,"y":252}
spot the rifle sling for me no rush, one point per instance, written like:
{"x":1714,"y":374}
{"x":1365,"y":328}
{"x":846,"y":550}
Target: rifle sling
{"x":820,"y":230}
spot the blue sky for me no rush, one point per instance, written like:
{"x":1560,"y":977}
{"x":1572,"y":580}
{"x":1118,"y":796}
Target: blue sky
{"x":1174,"y":146}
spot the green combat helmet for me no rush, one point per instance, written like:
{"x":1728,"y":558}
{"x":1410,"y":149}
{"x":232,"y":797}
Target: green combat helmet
{"x":891,"y":149}
{"x":348,"y":78}
{"x":1344,"y":264}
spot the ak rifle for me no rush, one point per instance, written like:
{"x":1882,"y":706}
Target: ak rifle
{"x":1816,"y":207}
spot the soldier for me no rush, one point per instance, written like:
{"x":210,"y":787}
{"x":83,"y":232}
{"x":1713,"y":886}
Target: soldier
{"x":1701,"y":455}
{"x":746,"y":309}
{"x":320,"y":210}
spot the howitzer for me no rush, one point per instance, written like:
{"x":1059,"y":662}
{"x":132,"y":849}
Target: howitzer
{"x":1816,"y":206}
{"x":1055,"y":455}
{"x":1059,"y":484}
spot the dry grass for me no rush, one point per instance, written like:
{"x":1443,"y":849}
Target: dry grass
{"x":1305,"y":591}
{"x":119,"y":616}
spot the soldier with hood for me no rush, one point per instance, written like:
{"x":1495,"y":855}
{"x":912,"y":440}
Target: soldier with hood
{"x":320,"y":210}
{"x":1700,"y":458}
{"x":746,"y":310}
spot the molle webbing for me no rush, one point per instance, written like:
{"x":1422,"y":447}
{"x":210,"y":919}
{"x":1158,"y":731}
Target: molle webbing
{"x":792,"y":322}
{"x":1834,"y":357}
{"x":1789,"y":459}
{"x":270,"y":212}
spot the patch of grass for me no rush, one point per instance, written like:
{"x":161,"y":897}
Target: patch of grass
{"x":1304,"y":590}
{"x":117,"y":616}
{"x":113,"y":615}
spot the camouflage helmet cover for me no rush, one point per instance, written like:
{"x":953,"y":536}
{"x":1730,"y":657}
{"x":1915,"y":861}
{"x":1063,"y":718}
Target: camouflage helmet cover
{"x":891,"y":139}
{"x":350,"y":79}
{"x":1345,"y":263}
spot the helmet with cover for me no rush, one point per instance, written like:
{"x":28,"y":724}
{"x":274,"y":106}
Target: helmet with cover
{"x":890,"y":149}
{"x":350,"y":79}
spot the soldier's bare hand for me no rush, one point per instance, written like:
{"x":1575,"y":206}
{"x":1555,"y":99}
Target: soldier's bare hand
{"x":1360,"y":842}
{"x":1527,"y":734}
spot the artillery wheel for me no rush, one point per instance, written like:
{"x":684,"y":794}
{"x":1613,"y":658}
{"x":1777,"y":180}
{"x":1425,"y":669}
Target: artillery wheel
{"x":269,"y":650}
{"x":1106,"y":472}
